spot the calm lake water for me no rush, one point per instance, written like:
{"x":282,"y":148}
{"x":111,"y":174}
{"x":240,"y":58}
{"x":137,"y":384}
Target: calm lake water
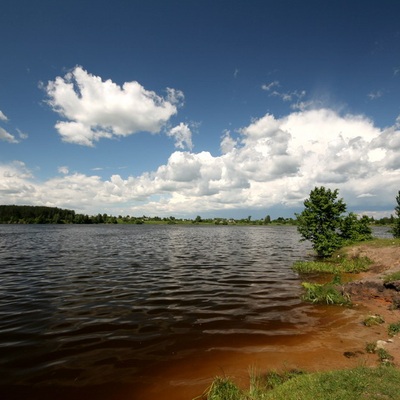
{"x":99,"y":311}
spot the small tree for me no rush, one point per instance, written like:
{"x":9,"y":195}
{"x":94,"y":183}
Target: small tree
{"x":320,"y":220}
{"x":396,"y":227}
{"x":355,"y":230}
{"x":323,"y":224}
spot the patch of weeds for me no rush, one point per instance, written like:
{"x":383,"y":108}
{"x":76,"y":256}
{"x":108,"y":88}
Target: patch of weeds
{"x":334,"y":265}
{"x":222,"y":388}
{"x":392,"y":277}
{"x":272,"y":379}
{"x":355,"y":265}
{"x":327,"y":293}
{"x":263,"y":383}
{"x":371,"y":348}
{"x":307,"y":267}
{"x":394,"y":329}
{"x":384,"y":357}
{"x":372,"y":320}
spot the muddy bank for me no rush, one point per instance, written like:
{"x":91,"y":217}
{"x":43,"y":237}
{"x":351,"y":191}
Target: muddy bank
{"x":369,"y":292}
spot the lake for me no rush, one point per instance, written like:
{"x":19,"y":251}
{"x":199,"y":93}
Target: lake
{"x":129,"y":311}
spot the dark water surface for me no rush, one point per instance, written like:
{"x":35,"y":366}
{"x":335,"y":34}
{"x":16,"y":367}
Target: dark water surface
{"x":98,"y":311}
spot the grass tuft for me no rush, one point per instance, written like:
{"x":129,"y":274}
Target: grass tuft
{"x":384,"y":357}
{"x":371,"y":348}
{"x":223,"y":388}
{"x":326,"y":293}
{"x":262,"y":383}
{"x":372,"y":320}
{"x":395,"y":276}
{"x":394,"y":329}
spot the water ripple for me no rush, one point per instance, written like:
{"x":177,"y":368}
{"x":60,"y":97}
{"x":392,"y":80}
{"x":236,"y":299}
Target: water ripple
{"x":105,"y":303}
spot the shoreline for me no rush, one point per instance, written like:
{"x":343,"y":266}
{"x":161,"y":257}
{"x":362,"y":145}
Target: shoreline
{"x":337,"y":342}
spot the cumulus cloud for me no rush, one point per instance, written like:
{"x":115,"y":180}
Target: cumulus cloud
{"x":94,"y":109}
{"x":182,"y":135}
{"x":273,"y":162}
{"x":15,"y":183}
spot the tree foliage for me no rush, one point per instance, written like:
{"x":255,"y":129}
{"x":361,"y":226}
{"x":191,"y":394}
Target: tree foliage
{"x":324,"y":224}
{"x":396,"y":227}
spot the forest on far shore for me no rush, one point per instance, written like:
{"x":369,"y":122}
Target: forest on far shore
{"x":16,"y":214}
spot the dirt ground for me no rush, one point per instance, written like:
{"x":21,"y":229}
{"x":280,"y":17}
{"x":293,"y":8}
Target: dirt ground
{"x":368,"y":291}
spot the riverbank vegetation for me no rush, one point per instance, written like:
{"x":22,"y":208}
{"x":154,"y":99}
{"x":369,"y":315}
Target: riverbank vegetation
{"x":16,"y":214}
{"x":324,"y":223}
{"x":339,"y":264}
{"x":23,"y":214}
{"x":326,"y":293}
{"x":358,"y":383}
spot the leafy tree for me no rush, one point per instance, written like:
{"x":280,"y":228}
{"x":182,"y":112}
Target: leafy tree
{"x":198,"y":219}
{"x":355,"y":230}
{"x":323,"y":224}
{"x":396,"y":227}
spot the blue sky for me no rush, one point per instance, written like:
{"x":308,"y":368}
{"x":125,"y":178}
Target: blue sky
{"x":217,"y":108}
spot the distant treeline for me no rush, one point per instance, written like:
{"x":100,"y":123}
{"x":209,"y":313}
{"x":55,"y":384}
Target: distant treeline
{"x":13,"y":214}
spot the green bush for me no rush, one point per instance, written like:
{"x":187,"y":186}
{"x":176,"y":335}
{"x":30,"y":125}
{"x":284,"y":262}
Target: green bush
{"x":323,"y":224}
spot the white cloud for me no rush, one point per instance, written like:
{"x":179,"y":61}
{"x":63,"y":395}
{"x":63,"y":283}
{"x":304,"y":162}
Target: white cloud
{"x":227,"y":143}
{"x":96,"y":109}
{"x":274,"y":162}
{"x":3,"y":117}
{"x":182,"y":135}
{"x":15,"y":183}
{"x":289,"y":96}
{"x":22,"y":135}
{"x":63,"y":170}
{"x":375,"y":95}
{"x":268,"y":86}
{"x":7,"y":137}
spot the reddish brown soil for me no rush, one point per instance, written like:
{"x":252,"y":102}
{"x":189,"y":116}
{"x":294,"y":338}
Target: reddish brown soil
{"x":369,"y":292}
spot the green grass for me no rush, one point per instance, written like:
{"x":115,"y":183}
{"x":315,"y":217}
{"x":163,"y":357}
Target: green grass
{"x":223,"y":388}
{"x":380,"y":242}
{"x":372,"y":320}
{"x":326,"y":293}
{"x":384,"y":357}
{"x":354,"y":384}
{"x":334,"y":265}
{"x":394,"y":329}
{"x":371,"y":347}
{"x":395,"y":276}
